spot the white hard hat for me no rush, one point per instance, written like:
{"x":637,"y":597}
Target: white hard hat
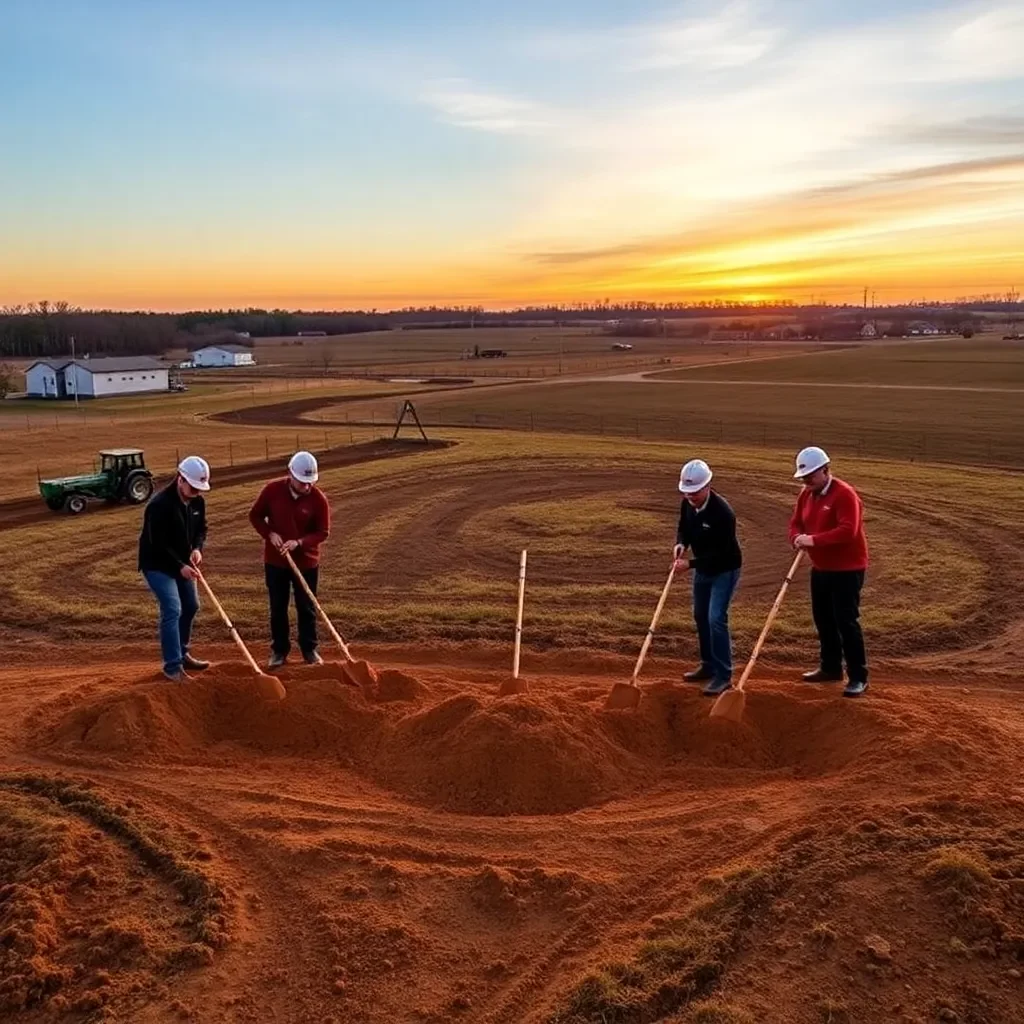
{"x":695,"y":476}
{"x":303,"y":467}
{"x":809,"y":460}
{"x":196,"y":472}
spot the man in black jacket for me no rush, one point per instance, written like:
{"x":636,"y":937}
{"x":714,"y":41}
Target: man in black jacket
{"x":707,"y":527}
{"x":170,"y":552}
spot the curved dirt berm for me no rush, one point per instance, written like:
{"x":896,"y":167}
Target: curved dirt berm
{"x":546,"y":752}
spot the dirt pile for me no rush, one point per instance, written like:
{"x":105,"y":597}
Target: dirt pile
{"x":324,"y":715}
{"x":545,"y":752}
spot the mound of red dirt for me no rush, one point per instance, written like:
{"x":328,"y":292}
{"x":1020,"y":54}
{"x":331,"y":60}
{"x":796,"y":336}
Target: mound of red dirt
{"x":545,"y":752}
{"x":323,"y":716}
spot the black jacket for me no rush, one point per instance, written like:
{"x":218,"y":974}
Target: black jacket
{"x":171,"y":531}
{"x":710,"y":534}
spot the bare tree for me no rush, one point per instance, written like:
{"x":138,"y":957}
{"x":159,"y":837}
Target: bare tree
{"x":7,"y":373}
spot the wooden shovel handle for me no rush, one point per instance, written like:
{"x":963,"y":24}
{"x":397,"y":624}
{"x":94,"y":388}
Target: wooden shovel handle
{"x":316,"y":604}
{"x":654,"y":623}
{"x":771,"y":618}
{"x":227,"y":622}
{"x":519,"y":614}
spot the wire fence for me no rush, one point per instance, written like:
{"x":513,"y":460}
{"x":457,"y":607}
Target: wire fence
{"x":970,"y":443}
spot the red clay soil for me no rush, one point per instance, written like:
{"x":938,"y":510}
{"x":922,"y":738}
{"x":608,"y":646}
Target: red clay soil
{"x":418,"y":849}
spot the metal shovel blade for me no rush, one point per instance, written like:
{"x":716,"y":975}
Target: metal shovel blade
{"x":624,"y":697}
{"x":269,"y":687}
{"x":730,"y":706}
{"x":509,"y":687}
{"x":362,"y":673}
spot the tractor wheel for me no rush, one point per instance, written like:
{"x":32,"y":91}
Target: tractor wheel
{"x":75,"y":504}
{"x":138,"y":487}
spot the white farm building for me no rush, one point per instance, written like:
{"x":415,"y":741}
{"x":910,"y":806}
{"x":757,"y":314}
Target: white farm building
{"x":223,"y":355}
{"x":95,"y":378}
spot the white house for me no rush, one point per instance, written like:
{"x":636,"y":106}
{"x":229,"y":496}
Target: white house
{"x":95,"y":378}
{"x":223,"y":355}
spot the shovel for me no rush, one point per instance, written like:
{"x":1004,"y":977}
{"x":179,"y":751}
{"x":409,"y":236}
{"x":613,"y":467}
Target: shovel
{"x":515,"y":684}
{"x":731,"y":704}
{"x":626,"y":696}
{"x":269,"y":688}
{"x":361,"y":672}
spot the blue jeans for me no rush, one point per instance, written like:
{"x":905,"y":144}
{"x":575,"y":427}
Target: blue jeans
{"x":711,"y":597}
{"x":179,"y":602}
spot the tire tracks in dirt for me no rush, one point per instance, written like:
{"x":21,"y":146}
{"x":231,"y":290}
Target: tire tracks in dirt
{"x":26,"y":511}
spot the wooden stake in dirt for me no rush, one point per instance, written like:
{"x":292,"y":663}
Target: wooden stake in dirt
{"x":731,"y":704}
{"x":515,"y":684}
{"x":626,"y":696}
{"x":362,"y":671}
{"x":269,"y":687}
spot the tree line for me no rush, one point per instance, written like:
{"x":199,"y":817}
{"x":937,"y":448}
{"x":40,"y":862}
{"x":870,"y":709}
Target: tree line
{"x":44,"y":329}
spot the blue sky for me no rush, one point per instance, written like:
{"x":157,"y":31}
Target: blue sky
{"x":332,"y":154}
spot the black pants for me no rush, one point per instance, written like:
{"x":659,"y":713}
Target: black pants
{"x":835,"y":605}
{"x":280,"y":584}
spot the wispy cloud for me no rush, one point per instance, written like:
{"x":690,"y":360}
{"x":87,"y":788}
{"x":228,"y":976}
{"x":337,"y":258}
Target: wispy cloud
{"x":461,"y":103}
{"x":982,"y":132}
{"x":727,"y":37}
{"x":827,"y":215}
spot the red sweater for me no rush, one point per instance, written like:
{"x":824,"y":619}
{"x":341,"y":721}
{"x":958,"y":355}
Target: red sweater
{"x":836,"y":522}
{"x":306,"y":518}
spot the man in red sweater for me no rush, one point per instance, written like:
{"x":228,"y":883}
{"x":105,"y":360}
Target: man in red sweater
{"x":292,"y":514}
{"x":828,"y":523}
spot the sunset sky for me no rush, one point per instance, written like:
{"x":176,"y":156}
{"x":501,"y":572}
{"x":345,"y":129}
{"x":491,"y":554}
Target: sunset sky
{"x":328,"y":154}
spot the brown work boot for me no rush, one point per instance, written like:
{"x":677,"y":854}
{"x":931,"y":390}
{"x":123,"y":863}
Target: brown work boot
{"x":194,"y":664}
{"x":181,"y":676}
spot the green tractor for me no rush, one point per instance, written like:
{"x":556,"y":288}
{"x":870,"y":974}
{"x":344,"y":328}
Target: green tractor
{"x":122,"y":477}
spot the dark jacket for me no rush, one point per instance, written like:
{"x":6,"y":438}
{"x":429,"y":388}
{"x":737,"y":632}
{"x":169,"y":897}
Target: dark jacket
{"x":171,"y":531}
{"x":710,"y":534}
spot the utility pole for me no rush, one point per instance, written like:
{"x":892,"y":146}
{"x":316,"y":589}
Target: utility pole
{"x":74,"y":371}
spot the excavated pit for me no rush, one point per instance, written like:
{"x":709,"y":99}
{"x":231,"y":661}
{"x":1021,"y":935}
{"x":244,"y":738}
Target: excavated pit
{"x":545,"y":752}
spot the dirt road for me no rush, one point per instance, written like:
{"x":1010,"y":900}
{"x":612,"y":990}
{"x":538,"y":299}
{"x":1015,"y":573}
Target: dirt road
{"x":423,"y":851}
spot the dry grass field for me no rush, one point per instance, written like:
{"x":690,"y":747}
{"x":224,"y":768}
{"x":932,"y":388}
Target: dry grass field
{"x":427,"y":549}
{"x":414,"y":848}
{"x":57,"y":440}
{"x":531,"y":352}
{"x":963,"y":425}
{"x":985,"y":361}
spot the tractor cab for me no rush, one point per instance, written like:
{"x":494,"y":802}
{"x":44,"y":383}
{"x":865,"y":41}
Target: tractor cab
{"x":121,"y":461}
